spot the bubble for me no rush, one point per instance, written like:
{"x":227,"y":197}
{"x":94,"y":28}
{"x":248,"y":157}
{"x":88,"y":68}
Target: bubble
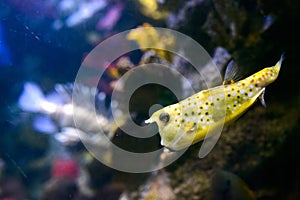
{"x":94,"y":65}
{"x":154,"y":108}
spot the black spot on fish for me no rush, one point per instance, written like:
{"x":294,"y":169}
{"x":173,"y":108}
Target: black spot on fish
{"x":193,"y":112}
{"x":228,"y":95}
{"x":206,"y":113}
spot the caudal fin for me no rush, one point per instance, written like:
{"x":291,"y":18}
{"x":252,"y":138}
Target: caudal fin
{"x":279,"y":63}
{"x":31,"y":98}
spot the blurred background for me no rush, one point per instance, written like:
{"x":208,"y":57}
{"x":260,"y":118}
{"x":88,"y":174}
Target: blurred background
{"x":42,"y":46}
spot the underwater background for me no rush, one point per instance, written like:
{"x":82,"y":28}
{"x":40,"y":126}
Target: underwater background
{"x":42,"y":46}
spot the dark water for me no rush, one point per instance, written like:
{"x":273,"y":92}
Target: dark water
{"x":37,"y":45}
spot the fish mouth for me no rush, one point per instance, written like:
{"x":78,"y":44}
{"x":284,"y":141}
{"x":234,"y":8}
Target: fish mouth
{"x":149,"y":121}
{"x":169,"y":149}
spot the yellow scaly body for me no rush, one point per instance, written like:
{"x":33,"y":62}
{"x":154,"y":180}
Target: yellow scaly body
{"x":189,"y":120}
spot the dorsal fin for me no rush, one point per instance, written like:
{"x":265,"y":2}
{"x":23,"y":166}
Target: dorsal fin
{"x":232,"y":73}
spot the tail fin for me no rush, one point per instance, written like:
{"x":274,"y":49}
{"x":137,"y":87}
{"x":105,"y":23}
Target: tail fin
{"x":279,"y":63}
{"x":31,"y":98}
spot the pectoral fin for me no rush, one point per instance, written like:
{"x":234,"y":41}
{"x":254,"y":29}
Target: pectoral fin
{"x":262,"y":98}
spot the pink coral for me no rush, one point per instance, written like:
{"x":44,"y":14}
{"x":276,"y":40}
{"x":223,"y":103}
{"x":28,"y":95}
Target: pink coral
{"x":65,"y":168}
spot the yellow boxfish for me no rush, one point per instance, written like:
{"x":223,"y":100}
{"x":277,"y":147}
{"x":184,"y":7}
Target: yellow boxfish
{"x":189,"y":120}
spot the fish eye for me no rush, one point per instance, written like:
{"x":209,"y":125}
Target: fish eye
{"x":164,"y":117}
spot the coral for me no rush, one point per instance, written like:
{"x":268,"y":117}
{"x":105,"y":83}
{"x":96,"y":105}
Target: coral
{"x":62,"y":188}
{"x":147,"y":36}
{"x":65,"y":168}
{"x":157,"y":188}
{"x":150,"y":8}
{"x":238,"y":26}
